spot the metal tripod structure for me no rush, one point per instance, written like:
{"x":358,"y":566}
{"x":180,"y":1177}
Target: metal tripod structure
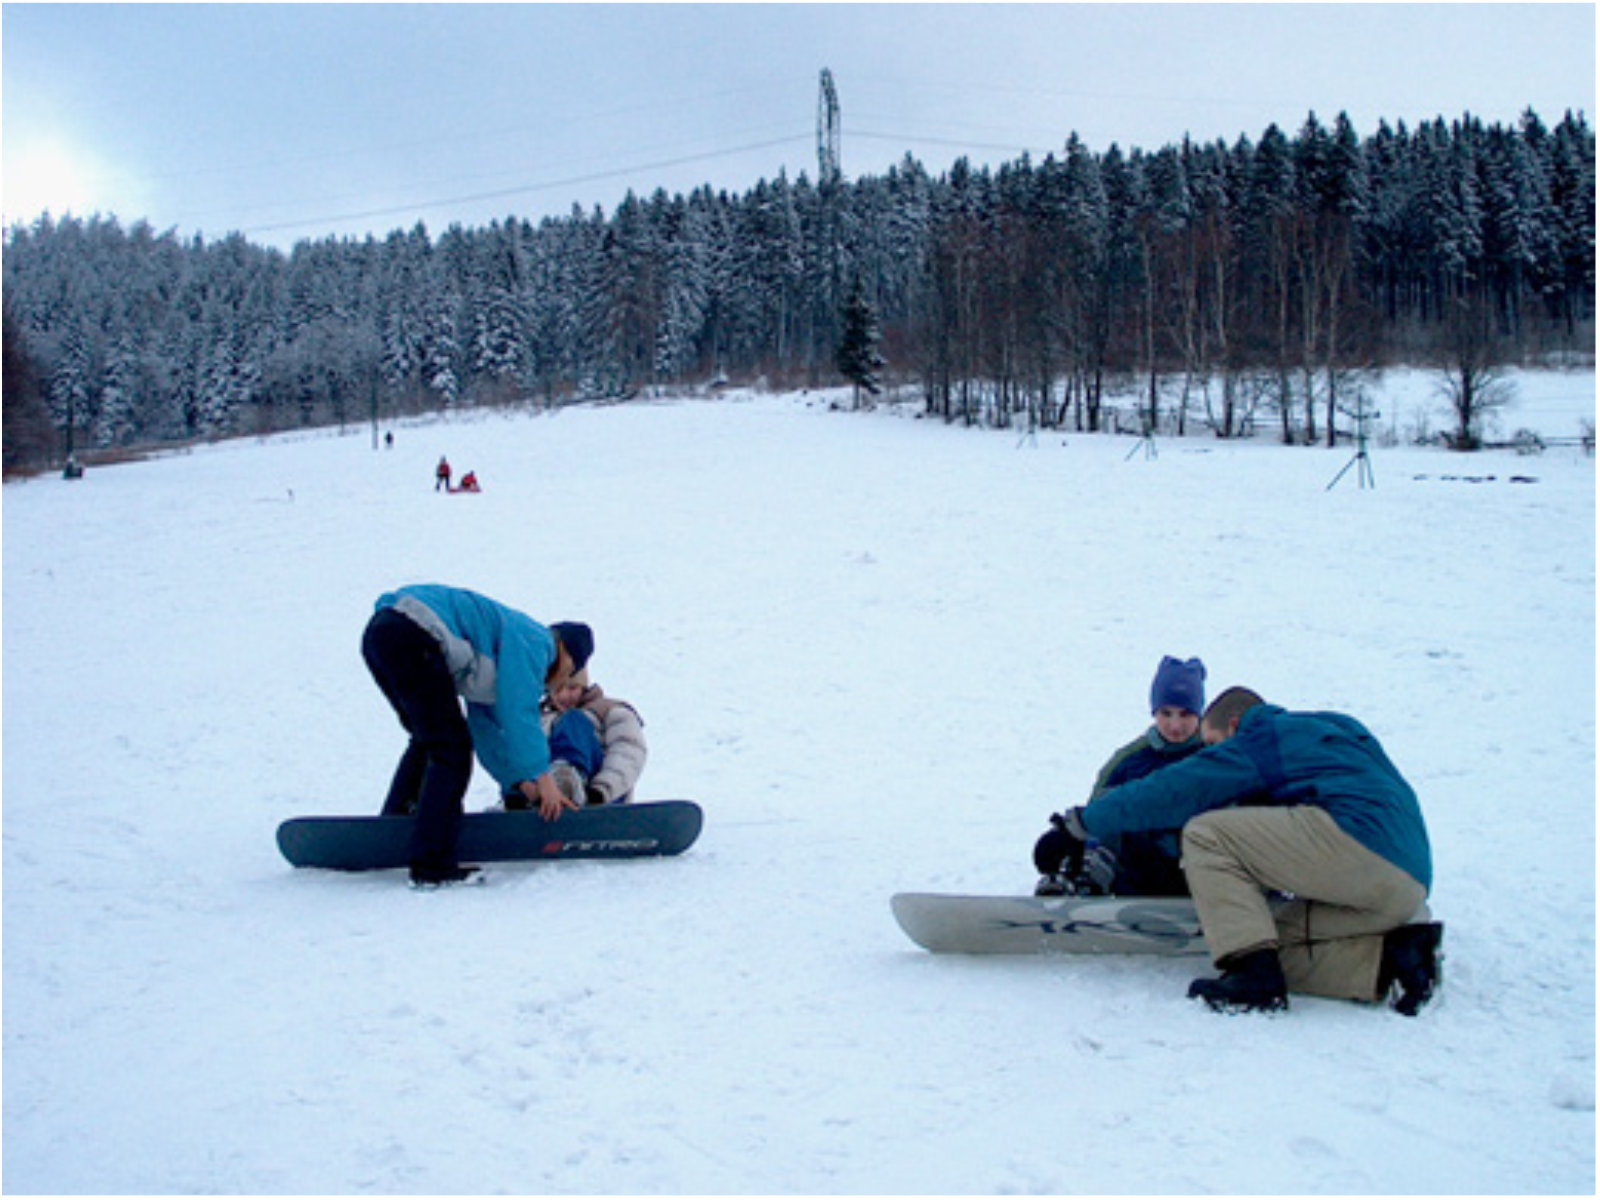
{"x":1362,"y":461}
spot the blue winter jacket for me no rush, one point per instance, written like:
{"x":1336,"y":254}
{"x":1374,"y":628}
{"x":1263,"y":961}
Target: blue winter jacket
{"x":1284,"y":758}
{"x":499,"y":658}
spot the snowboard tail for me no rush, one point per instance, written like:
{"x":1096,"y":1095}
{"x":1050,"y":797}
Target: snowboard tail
{"x":652,"y":829}
{"x":947,"y":924}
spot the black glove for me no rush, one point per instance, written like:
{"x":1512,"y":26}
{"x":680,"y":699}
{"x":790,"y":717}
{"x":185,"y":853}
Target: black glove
{"x":1060,"y":850}
{"x":1098,"y":875}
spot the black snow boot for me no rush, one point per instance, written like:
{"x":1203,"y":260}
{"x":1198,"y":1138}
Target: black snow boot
{"x":1409,"y":974}
{"x":427,"y":877}
{"x":1250,"y":983}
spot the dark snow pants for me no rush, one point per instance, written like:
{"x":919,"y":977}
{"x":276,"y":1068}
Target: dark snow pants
{"x":431,"y":780}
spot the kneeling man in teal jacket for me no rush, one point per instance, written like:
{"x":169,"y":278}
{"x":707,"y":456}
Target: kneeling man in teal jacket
{"x":1305,"y":805}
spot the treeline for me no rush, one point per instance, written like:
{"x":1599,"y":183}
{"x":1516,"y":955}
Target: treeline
{"x":1221,"y":283}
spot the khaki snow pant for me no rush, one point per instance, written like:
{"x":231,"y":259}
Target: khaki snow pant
{"x":1329,"y":938}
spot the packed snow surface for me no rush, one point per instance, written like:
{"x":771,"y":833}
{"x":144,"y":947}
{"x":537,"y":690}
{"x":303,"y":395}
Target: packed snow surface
{"x":879,"y":651}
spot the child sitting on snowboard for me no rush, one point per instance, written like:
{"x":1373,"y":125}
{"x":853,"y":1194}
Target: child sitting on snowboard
{"x":597,"y":743}
{"x":1138,"y":864}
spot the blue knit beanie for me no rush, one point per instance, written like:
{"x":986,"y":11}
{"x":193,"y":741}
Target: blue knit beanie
{"x":1179,"y":684}
{"x":578,"y":638}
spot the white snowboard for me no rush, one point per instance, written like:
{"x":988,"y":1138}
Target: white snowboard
{"x":947,"y":924}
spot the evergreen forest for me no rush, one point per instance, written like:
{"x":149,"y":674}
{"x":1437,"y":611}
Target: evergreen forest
{"x":1238,"y":288}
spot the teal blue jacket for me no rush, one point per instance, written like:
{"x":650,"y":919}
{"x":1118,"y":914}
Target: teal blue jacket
{"x":1283,"y":758}
{"x":499,"y":658}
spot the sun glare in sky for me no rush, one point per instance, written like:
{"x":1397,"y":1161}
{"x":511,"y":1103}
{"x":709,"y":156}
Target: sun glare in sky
{"x":45,"y":177}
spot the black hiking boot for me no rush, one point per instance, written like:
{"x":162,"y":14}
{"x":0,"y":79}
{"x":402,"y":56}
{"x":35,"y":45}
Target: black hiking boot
{"x":429,"y":878}
{"x":1250,"y":983}
{"x":1409,"y":974}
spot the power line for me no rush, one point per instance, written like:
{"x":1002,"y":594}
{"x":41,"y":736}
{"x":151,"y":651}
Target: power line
{"x":900,"y":139}
{"x":524,"y":189}
{"x":450,"y":179}
{"x":958,"y":143}
{"x":905,"y":140}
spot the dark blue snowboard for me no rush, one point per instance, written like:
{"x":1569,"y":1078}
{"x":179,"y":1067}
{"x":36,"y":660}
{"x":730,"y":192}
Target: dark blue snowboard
{"x":601,"y":831}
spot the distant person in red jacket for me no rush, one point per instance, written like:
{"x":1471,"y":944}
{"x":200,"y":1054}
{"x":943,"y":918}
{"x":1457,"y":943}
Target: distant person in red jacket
{"x":441,"y":474}
{"x":469,"y":482}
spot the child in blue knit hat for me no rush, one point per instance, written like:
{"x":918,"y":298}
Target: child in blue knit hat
{"x":1144,"y":864}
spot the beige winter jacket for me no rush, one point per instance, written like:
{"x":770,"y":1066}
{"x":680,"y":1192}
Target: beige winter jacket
{"x":621,"y":731}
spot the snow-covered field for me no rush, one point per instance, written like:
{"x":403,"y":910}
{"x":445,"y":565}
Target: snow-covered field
{"x":879,"y":651}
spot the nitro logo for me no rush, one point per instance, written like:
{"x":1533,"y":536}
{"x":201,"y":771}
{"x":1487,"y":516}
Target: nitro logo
{"x":590,"y":846}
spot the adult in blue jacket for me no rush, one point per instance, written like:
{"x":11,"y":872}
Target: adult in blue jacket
{"x":1303,"y":804}
{"x":430,"y":647}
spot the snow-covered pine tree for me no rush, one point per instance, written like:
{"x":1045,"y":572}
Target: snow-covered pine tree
{"x":441,"y":352}
{"x":123,"y":396}
{"x":71,"y":386}
{"x":27,"y":439}
{"x":859,"y":359}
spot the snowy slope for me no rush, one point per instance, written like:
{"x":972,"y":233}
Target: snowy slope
{"x":879,"y":651}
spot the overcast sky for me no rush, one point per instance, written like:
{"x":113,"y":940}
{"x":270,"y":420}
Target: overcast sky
{"x":295,"y":121}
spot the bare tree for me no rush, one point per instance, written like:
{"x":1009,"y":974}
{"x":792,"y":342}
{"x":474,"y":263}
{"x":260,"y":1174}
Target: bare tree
{"x":1471,"y":369}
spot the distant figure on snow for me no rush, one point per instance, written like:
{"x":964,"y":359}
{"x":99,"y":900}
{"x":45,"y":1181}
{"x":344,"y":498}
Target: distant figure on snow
{"x":469,"y":483}
{"x":441,"y":474}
